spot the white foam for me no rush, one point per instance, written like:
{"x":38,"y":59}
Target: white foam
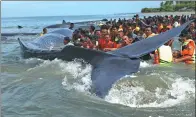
{"x":32,"y":60}
{"x":77,"y":75}
{"x":145,"y":64}
{"x":130,"y":76}
{"x":79,"y":78}
{"x":180,"y":90}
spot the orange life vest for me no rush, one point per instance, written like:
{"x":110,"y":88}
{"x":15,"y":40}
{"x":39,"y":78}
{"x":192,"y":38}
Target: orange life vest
{"x":110,"y":44}
{"x":188,"y":49}
{"x":151,"y":35}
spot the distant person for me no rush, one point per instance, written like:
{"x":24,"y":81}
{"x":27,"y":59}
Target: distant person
{"x":92,"y":30}
{"x":138,"y":21}
{"x":44,"y":32}
{"x":192,"y":31}
{"x":19,"y":27}
{"x":63,"y":22}
{"x":67,"y":41}
{"x":71,"y":26}
{"x":114,"y":32}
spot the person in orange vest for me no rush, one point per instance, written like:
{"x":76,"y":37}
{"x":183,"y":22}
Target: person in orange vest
{"x":109,"y":45}
{"x":187,"y":50}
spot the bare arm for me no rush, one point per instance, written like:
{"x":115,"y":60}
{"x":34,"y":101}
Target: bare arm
{"x":181,"y":59}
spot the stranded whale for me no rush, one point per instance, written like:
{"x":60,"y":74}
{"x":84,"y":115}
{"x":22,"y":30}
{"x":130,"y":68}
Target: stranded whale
{"x":107,"y":67}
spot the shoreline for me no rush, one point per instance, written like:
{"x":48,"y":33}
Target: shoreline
{"x":170,"y":13}
{"x":151,"y":13}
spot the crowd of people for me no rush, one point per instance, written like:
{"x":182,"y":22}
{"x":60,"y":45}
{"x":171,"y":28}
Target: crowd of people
{"x":116,"y":34}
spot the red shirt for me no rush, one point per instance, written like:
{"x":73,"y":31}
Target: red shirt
{"x":101,"y":43}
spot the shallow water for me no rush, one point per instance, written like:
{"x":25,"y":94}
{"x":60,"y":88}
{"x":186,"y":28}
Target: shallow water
{"x":42,"y":88}
{"x":35,"y":87}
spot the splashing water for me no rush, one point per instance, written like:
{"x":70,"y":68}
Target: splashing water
{"x":132,"y":90}
{"x":126,"y":93}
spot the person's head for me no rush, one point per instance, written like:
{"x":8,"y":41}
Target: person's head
{"x":92,"y":29}
{"x":148,"y":31}
{"x":131,"y":39}
{"x":120,"y":33}
{"x":153,"y":23}
{"x":44,"y":31}
{"x":192,"y":25}
{"x":125,"y":38}
{"x":184,"y":37}
{"x":140,"y":33}
{"x":107,"y":37}
{"x":76,"y":35}
{"x":82,"y":32}
{"x":63,"y":22}
{"x":71,"y":25}
{"x":104,"y":30}
{"x":115,"y":29}
{"x":98,"y":33}
{"x":176,"y":53}
{"x":129,"y":29}
{"x":137,"y":17}
{"x":66,"y":40}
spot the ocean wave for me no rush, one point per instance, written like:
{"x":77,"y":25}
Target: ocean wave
{"x":165,"y":91}
{"x":77,"y":74}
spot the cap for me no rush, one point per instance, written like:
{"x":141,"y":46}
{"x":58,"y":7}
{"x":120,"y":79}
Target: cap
{"x":137,"y":29}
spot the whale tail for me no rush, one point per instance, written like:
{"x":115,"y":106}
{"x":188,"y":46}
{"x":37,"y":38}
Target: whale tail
{"x":127,"y":61}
